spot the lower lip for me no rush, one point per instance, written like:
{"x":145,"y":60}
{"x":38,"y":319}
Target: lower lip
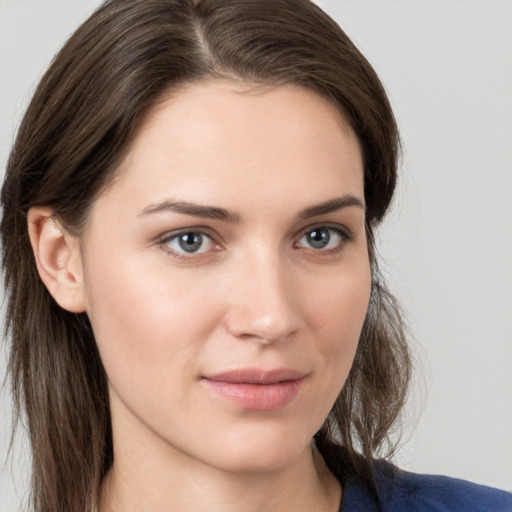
{"x":258,"y":397}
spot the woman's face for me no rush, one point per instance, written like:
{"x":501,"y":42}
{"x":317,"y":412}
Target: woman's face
{"x":226,"y":276}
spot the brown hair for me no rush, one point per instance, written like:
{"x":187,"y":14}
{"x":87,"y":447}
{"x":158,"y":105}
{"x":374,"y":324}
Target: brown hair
{"x":81,"y":120}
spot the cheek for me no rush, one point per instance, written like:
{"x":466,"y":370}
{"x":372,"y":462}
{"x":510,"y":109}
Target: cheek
{"x":144,"y":324}
{"x":337,"y":315}
{"x":342,"y":304}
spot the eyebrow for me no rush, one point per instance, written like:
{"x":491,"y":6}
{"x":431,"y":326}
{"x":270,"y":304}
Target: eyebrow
{"x":193,"y":209}
{"x":216,"y":213}
{"x":331,"y":206}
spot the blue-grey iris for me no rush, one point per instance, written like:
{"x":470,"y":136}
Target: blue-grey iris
{"x":318,"y":238}
{"x":190,"y":242}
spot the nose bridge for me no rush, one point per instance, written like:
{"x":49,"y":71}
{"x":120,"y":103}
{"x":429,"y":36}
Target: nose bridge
{"x":263,"y":305}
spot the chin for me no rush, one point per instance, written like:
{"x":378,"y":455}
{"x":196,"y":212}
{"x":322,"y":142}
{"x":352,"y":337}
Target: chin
{"x":261,"y":453}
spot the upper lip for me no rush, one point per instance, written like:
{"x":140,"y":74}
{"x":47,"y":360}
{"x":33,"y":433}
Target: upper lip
{"x":257,"y":376}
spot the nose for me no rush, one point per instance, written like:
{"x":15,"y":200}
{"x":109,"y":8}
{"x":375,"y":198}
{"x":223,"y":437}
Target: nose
{"x":263,"y":306}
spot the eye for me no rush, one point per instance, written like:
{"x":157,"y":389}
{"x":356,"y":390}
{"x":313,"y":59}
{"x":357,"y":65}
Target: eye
{"x":323,"y":237}
{"x":189,"y":242}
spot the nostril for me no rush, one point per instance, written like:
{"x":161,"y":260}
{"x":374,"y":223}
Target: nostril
{"x":262,"y":304}
{"x":263,"y":328}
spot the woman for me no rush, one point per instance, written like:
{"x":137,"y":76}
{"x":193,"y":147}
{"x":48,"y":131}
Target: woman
{"x":196,"y":313}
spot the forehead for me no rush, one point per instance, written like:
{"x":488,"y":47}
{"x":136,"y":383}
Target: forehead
{"x":221,"y":142}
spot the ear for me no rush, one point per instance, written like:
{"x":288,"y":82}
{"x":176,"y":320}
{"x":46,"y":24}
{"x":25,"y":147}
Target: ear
{"x":58,"y":259}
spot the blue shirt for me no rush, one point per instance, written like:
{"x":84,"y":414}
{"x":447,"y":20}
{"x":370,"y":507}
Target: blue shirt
{"x":400,"y":491}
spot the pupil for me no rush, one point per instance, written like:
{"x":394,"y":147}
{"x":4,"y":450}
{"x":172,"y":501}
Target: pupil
{"x":319,"y":238}
{"x":190,"y":242}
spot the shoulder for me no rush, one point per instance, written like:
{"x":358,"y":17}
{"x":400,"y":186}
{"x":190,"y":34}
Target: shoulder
{"x":412,"y":492}
{"x":395,"y":490}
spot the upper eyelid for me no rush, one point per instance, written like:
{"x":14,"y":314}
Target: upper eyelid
{"x":163,"y":242}
{"x":203,"y":230}
{"x":329,"y":225}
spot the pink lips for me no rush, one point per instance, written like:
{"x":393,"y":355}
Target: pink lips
{"x":257,"y":389}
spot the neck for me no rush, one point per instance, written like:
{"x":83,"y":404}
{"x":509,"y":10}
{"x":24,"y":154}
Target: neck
{"x":147,"y":482}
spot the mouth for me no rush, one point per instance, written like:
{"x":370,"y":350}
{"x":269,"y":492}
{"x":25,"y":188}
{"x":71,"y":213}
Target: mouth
{"x":256,"y":389}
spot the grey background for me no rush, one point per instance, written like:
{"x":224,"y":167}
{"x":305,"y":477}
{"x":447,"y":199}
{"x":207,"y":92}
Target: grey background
{"x":447,"y":246}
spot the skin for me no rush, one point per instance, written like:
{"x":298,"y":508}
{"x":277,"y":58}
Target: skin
{"x":255,"y":294}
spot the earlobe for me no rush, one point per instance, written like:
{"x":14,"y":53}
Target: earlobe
{"x":58,"y":259}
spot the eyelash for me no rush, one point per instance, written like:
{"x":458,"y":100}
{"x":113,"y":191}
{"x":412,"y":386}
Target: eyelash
{"x":345,"y":236}
{"x":165,"y":241}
